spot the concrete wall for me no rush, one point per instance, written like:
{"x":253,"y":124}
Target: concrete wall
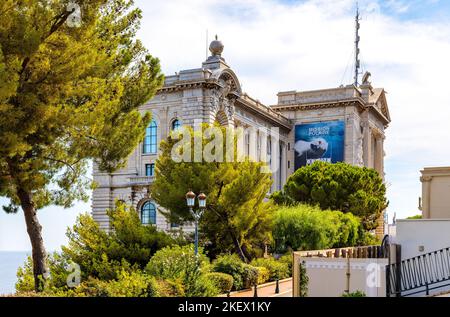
{"x":328,"y":276}
{"x":418,"y":237}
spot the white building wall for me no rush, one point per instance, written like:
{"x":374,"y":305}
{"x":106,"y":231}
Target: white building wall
{"x":422,"y":236}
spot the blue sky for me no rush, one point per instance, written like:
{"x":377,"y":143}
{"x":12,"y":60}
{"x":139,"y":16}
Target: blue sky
{"x":300,"y":45}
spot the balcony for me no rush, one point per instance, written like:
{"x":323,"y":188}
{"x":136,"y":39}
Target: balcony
{"x":141,"y":180}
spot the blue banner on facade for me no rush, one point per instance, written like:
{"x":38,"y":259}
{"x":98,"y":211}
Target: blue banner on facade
{"x":322,"y":141}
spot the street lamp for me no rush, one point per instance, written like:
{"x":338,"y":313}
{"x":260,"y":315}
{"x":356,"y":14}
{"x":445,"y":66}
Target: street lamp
{"x":190,"y":200}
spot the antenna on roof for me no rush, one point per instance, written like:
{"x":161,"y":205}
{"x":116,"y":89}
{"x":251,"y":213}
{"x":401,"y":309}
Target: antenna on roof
{"x":206,"y":46}
{"x":357,"y":39}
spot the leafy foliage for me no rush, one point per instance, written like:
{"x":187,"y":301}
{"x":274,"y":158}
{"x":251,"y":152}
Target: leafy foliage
{"x":340,"y":186}
{"x":287,"y":260}
{"x":128,"y":244}
{"x":222,"y":281}
{"x":263,"y":275}
{"x":305,"y":227}
{"x":244,"y":275}
{"x":276,"y":269}
{"x":128,"y":284}
{"x":415,"y":217}
{"x":304,"y":281}
{"x":236,"y":218}
{"x":58,"y":266}
{"x":354,"y":294}
{"x":180,"y":263}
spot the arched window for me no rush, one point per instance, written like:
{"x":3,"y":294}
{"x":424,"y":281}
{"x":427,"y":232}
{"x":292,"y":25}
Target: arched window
{"x":151,"y":138}
{"x":148,"y":213}
{"x":176,"y":124}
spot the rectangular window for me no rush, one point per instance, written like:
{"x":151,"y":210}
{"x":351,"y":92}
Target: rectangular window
{"x":150,"y":169}
{"x":151,"y":139}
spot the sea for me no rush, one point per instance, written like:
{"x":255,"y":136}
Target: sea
{"x":9,"y":263}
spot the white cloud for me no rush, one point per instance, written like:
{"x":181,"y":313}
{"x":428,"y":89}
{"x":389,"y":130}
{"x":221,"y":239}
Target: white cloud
{"x":276,"y":47}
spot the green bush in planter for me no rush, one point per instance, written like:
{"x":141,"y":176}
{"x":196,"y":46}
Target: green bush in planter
{"x":231,"y":264}
{"x":222,"y":281}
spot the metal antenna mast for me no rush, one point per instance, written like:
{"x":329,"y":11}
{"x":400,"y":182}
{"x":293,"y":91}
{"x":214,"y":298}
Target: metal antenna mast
{"x":206,"y":46}
{"x":357,"y":39}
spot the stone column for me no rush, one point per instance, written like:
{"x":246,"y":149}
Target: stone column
{"x":283,"y":164}
{"x":426,"y":192}
{"x":380,"y":147}
{"x":367,"y":144}
{"x":274,"y":162}
{"x":378,"y":154}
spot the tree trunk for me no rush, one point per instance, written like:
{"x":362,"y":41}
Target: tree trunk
{"x":34,"y":230}
{"x":239,"y":250}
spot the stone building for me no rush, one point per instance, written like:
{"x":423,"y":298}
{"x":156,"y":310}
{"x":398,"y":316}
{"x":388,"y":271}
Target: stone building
{"x":435,"y":200}
{"x":212,"y":93}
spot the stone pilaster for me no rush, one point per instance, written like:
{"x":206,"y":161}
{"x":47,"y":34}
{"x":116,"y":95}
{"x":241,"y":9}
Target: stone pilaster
{"x":426,"y":192}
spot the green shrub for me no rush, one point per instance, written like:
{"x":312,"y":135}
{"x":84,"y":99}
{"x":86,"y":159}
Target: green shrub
{"x":128,"y":284}
{"x":263,"y":275}
{"x":354,"y":294}
{"x":178,"y":262}
{"x":231,"y":264}
{"x":341,"y":186}
{"x":304,"y":281}
{"x":244,"y":275}
{"x":93,"y":287}
{"x":287,"y":260}
{"x":276,"y":269}
{"x":306,"y":227}
{"x":204,"y":287}
{"x":57,"y":265}
{"x":222,"y":281}
{"x":367,"y":238}
{"x":170,"y":288}
{"x":25,"y":278}
{"x":250,"y":276}
{"x":102,"y":254}
{"x":134,"y":284}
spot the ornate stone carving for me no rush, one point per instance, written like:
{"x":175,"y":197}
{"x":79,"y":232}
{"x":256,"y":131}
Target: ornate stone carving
{"x":359,"y":151}
{"x":222,"y":99}
{"x":426,"y":178}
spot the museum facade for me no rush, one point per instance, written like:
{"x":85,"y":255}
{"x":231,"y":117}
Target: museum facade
{"x":339,"y":124}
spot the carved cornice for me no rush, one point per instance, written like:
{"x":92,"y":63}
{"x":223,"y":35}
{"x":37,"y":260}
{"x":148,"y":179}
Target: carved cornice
{"x":264,"y":112}
{"x":322,"y":105}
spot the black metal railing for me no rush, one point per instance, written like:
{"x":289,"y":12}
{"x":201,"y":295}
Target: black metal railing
{"x":419,"y":274}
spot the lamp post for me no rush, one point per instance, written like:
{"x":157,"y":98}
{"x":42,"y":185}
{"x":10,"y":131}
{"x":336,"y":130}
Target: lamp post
{"x":190,"y":200}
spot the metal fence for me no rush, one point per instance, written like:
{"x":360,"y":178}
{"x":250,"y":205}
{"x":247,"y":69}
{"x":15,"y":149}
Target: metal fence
{"x":419,"y":274}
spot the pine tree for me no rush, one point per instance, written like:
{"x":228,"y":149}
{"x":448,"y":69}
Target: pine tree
{"x":341,"y":186}
{"x":236,"y":218}
{"x":69,"y":94}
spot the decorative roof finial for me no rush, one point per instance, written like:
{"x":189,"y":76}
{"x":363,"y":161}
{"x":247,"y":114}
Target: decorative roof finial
{"x":216,"y":47}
